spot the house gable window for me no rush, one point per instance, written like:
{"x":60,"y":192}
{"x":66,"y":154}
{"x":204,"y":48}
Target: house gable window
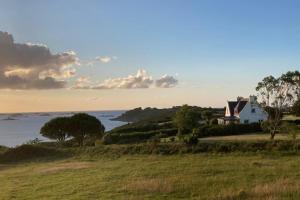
{"x":246,"y":121}
{"x":253,"y":110}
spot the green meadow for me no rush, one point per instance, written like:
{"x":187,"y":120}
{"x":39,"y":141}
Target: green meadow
{"x":268,"y":175}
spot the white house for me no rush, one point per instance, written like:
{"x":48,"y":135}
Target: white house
{"x":244,"y":111}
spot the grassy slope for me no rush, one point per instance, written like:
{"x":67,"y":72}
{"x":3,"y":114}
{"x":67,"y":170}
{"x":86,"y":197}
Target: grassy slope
{"x":246,"y":137}
{"x":201,"y":176}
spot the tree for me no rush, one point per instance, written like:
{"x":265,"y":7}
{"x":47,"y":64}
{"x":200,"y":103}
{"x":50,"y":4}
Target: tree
{"x":56,"y":129}
{"x":296,"y":108}
{"x":266,"y":88}
{"x":83,"y":125}
{"x":295,"y":79}
{"x":186,"y":118}
{"x":207,"y":115}
{"x":279,"y":95}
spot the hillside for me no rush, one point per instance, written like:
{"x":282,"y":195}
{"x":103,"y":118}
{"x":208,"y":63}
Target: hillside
{"x":156,"y":114}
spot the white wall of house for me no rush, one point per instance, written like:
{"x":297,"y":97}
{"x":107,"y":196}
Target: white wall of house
{"x":227,"y":111}
{"x":252,"y":113}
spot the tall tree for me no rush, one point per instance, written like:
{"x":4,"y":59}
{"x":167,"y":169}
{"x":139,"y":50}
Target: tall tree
{"x":266,"y":88}
{"x":279,"y":94}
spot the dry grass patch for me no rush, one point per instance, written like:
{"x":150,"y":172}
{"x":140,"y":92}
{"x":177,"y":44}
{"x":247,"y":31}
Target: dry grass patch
{"x":159,"y":185}
{"x":268,"y":191}
{"x":64,"y":166}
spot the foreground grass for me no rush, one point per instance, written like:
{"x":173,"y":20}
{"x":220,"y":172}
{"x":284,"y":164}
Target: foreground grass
{"x":189,"y":176}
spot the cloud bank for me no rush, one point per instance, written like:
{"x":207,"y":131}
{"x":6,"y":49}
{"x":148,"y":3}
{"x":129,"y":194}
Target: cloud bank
{"x":140,"y":80}
{"x":33,"y":66}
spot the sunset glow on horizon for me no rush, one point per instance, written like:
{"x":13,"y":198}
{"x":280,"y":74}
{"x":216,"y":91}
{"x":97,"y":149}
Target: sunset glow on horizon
{"x":119,"y":55}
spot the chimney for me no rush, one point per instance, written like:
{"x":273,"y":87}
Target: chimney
{"x":239,"y":98}
{"x":253,"y":99}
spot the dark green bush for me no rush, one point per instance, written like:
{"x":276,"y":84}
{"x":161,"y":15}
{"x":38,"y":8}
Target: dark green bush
{"x":203,"y":147}
{"x":191,"y":140}
{"x":27,"y":152}
{"x":136,"y":137}
{"x":142,"y":126}
{"x":231,"y":129}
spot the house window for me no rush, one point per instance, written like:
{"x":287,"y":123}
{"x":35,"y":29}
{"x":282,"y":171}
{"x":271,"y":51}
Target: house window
{"x":246,"y":121}
{"x":253,"y":110}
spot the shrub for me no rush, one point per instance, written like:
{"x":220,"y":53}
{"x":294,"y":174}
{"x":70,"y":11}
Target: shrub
{"x":26,"y":152}
{"x":136,"y":137}
{"x":142,"y":126}
{"x":191,"y":140}
{"x":3,"y":149}
{"x":98,"y":142}
{"x":231,"y":129}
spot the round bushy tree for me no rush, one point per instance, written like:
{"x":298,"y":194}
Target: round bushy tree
{"x":186,"y":118}
{"x":83,"y":125}
{"x":56,"y":129}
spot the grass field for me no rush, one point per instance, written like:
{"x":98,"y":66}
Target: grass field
{"x":189,"y":176}
{"x":246,"y":137}
{"x":291,"y":117}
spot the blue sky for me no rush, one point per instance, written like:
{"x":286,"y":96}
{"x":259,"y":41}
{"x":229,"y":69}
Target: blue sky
{"x":217,"y":49}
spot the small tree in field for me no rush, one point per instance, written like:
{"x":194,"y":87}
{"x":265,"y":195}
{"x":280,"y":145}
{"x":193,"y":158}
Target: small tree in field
{"x":278,"y":94}
{"x":186,"y":118}
{"x":83,"y":125}
{"x":56,"y":129}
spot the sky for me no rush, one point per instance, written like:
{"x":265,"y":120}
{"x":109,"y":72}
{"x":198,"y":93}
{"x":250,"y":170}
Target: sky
{"x":110,"y":54}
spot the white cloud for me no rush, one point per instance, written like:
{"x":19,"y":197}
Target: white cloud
{"x":139,"y":80}
{"x":105,"y":59}
{"x":166,"y":81}
{"x":82,"y":82}
{"x":33,"y":66}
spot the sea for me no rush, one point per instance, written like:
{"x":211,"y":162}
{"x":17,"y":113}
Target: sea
{"x":21,"y":128}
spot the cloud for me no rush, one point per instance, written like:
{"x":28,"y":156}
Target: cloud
{"x":82,"y":83}
{"x":105,"y":59}
{"x":33,"y":66}
{"x":141,"y":80}
{"x":166,"y":81}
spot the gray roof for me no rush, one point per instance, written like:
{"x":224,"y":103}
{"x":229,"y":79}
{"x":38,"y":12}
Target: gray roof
{"x":235,"y":107}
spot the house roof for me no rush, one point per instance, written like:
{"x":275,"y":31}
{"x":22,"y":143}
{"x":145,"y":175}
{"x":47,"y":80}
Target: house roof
{"x":232,"y":105}
{"x":235,"y":107}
